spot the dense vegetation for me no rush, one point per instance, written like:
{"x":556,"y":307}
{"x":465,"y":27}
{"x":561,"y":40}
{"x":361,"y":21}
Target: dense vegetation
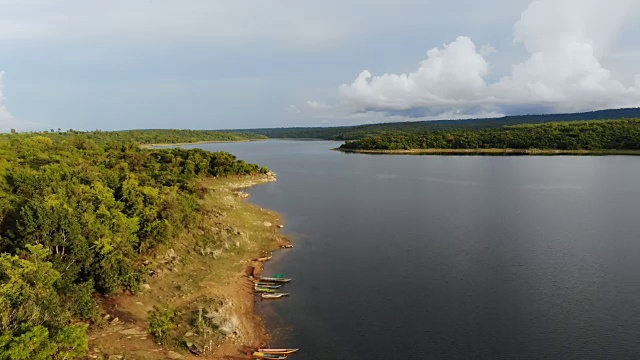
{"x":77,"y":217}
{"x":362,"y":131}
{"x":579,"y":135}
{"x":154,"y":136}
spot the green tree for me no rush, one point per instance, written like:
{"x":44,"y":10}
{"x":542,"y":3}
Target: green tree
{"x":33,"y":323}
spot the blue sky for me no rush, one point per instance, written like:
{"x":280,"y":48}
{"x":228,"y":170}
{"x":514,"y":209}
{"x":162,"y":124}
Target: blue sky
{"x":209,"y":64}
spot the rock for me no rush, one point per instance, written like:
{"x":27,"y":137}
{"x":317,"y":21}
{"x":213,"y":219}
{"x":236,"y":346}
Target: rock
{"x":266,"y":223}
{"x":242,"y":195}
{"x":188,"y":333}
{"x":145,"y":287}
{"x":171,"y":253}
{"x":139,"y":303}
{"x":116,"y":357}
{"x":174,"y":355}
{"x":115,"y":321}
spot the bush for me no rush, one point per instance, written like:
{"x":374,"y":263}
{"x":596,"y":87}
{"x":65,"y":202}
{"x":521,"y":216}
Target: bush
{"x":161,"y":322}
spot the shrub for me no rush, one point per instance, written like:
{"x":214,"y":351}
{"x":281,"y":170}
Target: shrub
{"x":161,"y":322}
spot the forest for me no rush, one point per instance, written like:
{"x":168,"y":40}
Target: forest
{"x":78,"y":212}
{"x":622,"y":134}
{"x":152,"y":136}
{"x":362,"y":131}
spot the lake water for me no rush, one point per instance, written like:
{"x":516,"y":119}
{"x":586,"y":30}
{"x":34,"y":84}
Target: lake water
{"x":431,"y":257}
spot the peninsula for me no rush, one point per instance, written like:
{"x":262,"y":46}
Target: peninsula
{"x":110,"y":249}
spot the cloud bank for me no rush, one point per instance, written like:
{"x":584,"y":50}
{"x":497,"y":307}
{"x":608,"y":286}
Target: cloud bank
{"x":564,"y":40}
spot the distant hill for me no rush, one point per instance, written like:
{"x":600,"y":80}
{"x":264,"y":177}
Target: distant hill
{"x":361,"y":131}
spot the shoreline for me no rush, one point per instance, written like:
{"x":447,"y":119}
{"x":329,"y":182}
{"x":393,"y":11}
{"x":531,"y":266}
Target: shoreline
{"x":161,"y":145}
{"x":194,"y":279}
{"x":496,"y":152}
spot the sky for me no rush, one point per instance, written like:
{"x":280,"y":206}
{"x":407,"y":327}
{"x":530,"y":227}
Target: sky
{"x":226,"y":64}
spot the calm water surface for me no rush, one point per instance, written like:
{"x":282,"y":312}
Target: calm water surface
{"x":431,"y":257}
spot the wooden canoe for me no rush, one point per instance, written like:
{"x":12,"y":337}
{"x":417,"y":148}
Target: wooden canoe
{"x":263,"y":290}
{"x":261,"y":355}
{"x":278,"y":351}
{"x":274,"y":295}
{"x":264,"y":258}
{"x":269,"y":285}
{"x":274,"y":279}
{"x":193,"y":348}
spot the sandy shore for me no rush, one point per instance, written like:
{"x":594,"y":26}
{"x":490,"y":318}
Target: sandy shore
{"x":202,"y":277}
{"x":492,"y":152}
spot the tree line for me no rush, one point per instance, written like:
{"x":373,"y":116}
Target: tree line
{"x":621,"y":134}
{"x":77,"y":215}
{"x":362,"y":131}
{"x":152,"y":136}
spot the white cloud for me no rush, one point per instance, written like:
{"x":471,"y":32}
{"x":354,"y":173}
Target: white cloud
{"x":548,"y":25}
{"x":487,"y":49}
{"x":454,"y":74}
{"x":315,"y":105}
{"x":293,"y":109}
{"x":564,"y":39}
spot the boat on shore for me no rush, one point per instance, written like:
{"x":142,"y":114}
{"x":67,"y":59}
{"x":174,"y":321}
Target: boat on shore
{"x":261,"y":355}
{"x":278,"y":351}
{"x":263,"y":290}
{"x":264,"y":258}
{"x":274,"y":295}
{"x":274,"y":279}
{"x":269,"y":285}
{"x":193,"y":348}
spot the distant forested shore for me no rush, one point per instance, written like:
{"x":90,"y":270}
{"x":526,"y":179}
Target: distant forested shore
{"x":151,"y":136}
{"x":358,"y":132}
{"x":595,"y":135}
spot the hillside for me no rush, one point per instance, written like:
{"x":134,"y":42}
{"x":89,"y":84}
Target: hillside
{"x":361,"y":131}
